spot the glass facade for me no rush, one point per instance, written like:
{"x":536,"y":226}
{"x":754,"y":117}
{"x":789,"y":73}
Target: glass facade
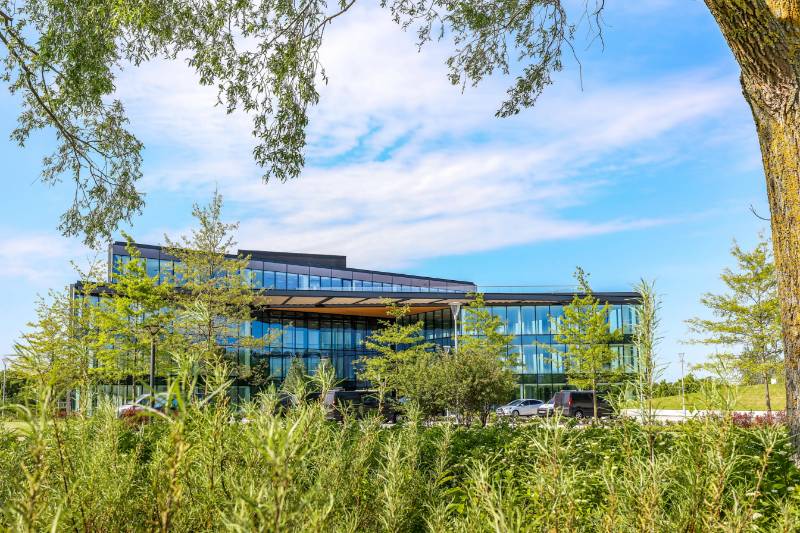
{"x":311,"y":337}
{"x":534,"y":327}
{"x":312,"y":334}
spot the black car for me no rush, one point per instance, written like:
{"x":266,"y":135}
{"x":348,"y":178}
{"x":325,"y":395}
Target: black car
{"x":359,"y":404}
{"x":580,"y":404}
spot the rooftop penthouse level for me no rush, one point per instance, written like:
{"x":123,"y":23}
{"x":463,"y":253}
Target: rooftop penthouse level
{"x":296,"y":271}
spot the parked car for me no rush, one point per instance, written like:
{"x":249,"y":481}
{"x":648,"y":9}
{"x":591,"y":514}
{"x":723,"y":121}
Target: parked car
{"x":579,"y":404}
{"x":285,"y":402}
{"x":141,"y":404}
{"x":523,"y":407}
{"x":357,"y":403}
{"x":546,"y":409}
{"x":501,"y":411}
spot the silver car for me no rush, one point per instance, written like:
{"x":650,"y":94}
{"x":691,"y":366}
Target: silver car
{"x":523,"y":407}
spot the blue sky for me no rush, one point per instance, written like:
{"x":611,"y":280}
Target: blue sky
{"x":648,"y":170}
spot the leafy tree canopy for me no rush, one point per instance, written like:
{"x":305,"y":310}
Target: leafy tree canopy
{"x":479,"y":374}
{"x":397,"y":345}
{"x":62,"y":59}
{"x":587,"y":334}
{"x":746,"y":321}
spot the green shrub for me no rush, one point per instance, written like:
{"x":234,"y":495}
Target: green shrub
{"x":203,"y":470}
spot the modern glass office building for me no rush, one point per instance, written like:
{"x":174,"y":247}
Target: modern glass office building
{"x":317,"y":307}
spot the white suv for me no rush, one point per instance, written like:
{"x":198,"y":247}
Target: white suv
{"x":521,"y":407}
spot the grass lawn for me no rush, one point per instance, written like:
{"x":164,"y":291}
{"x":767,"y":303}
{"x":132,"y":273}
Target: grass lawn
{"x":747,"y":398}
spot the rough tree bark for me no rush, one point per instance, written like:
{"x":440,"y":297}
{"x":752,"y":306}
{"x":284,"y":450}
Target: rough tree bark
{"x":764,"y":36}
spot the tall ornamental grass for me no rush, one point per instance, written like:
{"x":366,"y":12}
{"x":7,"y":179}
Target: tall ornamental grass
{"x":203,"y":469}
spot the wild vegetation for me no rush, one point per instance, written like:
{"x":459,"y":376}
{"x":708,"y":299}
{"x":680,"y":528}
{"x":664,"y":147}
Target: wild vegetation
{"x":203,"y":469}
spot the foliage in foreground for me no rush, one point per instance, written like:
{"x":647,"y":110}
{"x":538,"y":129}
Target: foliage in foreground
{"x":201,"y":470}
{"x":468,"y":380}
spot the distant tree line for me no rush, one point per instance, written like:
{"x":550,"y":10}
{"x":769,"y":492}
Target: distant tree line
{"x":691,"y":383}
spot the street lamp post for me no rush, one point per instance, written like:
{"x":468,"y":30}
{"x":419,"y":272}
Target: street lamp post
{"x":455,"y":307}
{"x":683,"y":393}
{"x":153,"y":330}
{"x":152,"y":364}
{"x":3,"y":357}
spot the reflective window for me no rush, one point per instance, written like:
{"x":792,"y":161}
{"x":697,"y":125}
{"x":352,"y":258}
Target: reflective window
{"x":529,"y":359}
{"x":152,"y":267}
{"x":338,"y":334}
{"x":276,"y":367}
{"x":325,"y":334}
{"x":628,"y":319}
{"x":165,"y":271}
{"x":312,"y":362}
{"x":275,"y":331}
{"x":615,"y":317}
{"x":288,"y":334}
{"x":542,"y":324}
{"x":515,"y":355}
{"x":513,"y":320}
{"x":545,"y":358}
{"x":501,"y":313}
{"x":313,"y":333}
{"x":556,"y":314}
{"x":300,"y":335}
{"x":119,"y":261}
{"x":348,"y":339}
{"x":528,"y":320}
{"x":361,"y":333}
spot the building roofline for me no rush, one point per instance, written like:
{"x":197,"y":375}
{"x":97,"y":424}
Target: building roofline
{"x":262,"y":256}
{"x":296,"y":258}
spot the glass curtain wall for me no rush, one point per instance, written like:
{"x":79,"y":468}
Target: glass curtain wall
{"x":309,"y":336}
{"x":539,"y":357}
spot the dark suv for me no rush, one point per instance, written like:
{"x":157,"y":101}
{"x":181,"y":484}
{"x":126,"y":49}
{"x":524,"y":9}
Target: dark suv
{"x":360,"y":404}
{"x":579,"y":404}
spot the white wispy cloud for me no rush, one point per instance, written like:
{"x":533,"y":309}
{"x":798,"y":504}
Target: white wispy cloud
{"x":39,"y":259}
{"x":403,"y":167}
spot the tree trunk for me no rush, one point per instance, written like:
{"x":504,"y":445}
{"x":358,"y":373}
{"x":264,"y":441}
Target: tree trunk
{"x":764,"y":36}
{"x":779,"y":136}
{"x":769,"y":402}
